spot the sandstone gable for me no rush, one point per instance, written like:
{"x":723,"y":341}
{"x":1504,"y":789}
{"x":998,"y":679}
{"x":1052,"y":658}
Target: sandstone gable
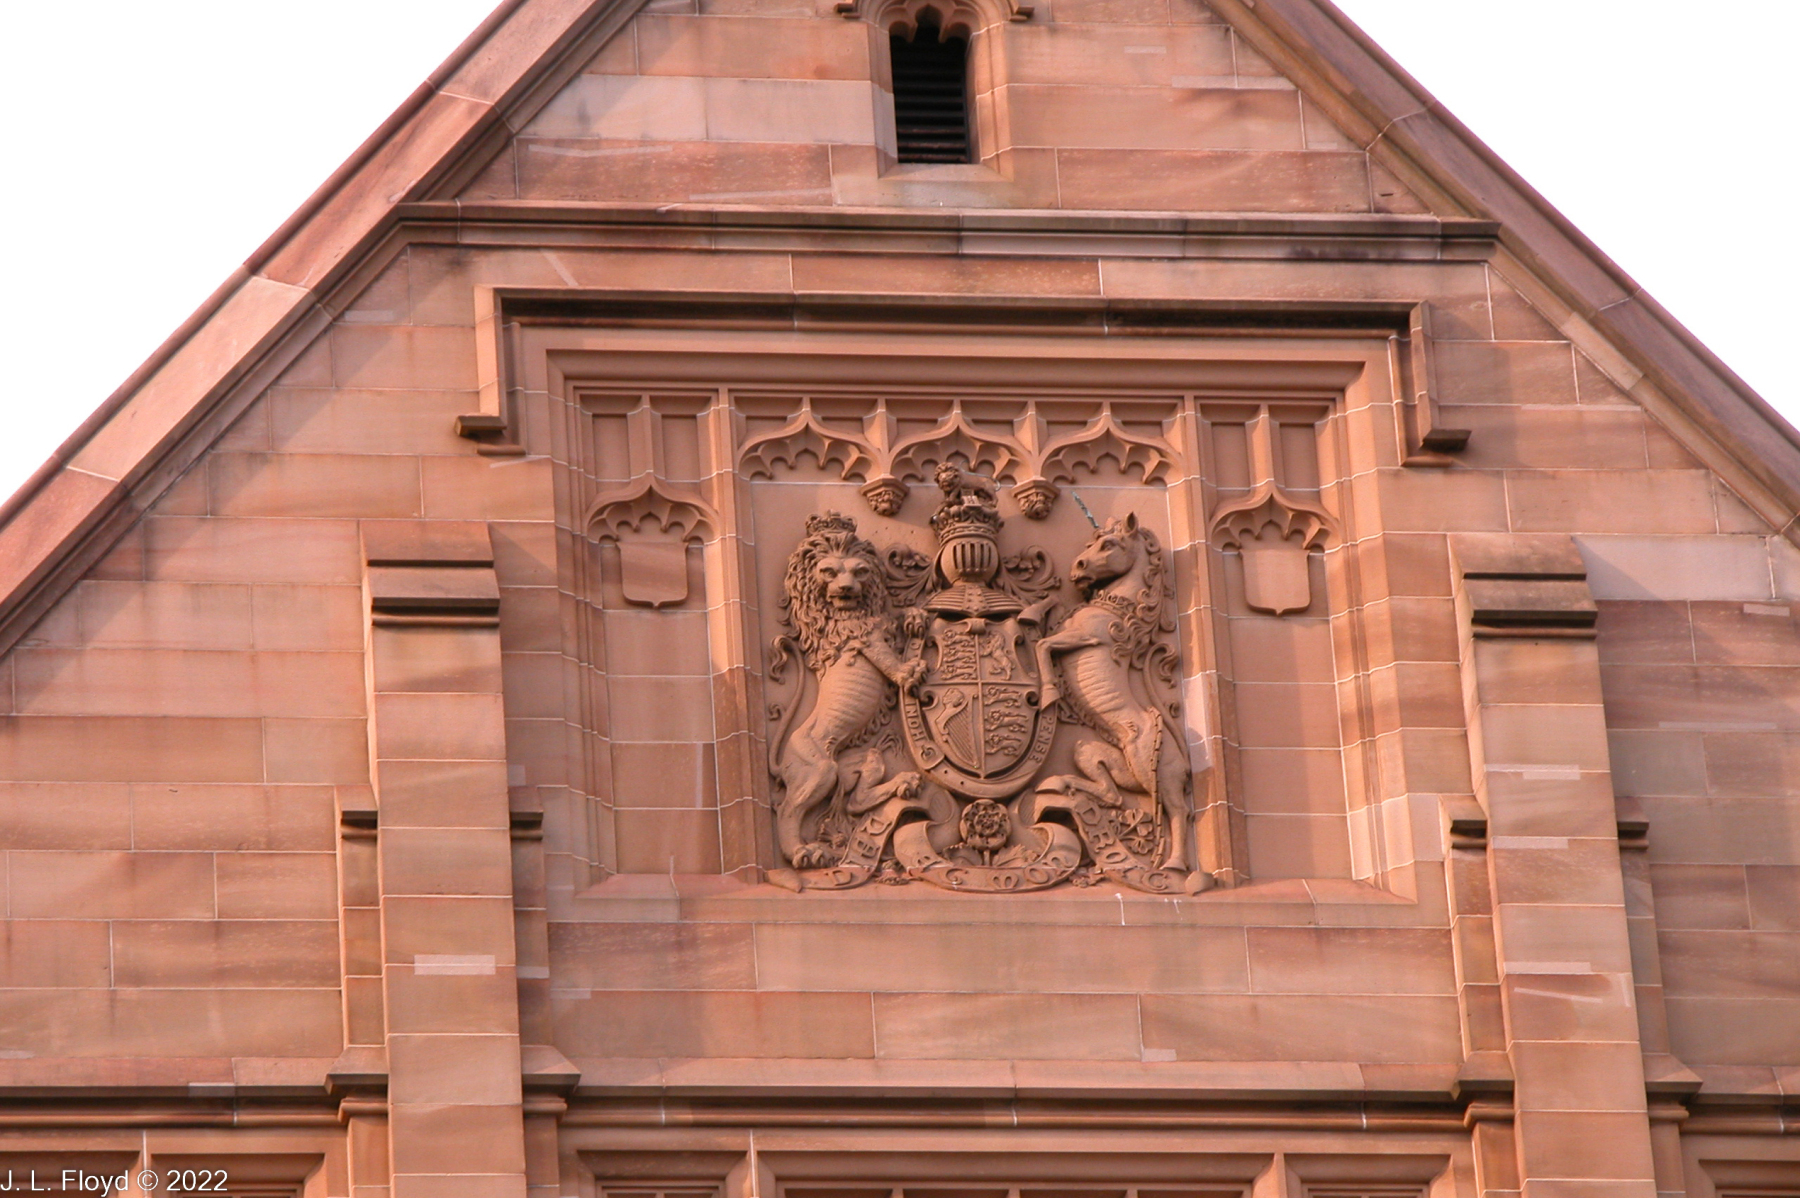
{"x":646,"y":646}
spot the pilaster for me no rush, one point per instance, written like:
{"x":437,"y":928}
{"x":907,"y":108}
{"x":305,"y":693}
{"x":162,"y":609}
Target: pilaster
{"x":1561,"y":938}
{"x":445,"y":851}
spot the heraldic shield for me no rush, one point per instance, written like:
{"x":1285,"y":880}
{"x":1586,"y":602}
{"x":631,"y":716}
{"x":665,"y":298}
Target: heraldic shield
{"x":973,"y":726}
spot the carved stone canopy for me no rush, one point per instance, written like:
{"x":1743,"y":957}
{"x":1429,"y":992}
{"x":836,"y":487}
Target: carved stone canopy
{"x":1272,"y":529}
{"x":1274,"y":533}
{"x":1037,"y":456}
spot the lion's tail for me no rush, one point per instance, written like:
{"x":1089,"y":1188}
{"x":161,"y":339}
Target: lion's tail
{"x":788,"y":648}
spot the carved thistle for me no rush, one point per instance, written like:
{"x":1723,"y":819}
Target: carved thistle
{"x":956,"y":731}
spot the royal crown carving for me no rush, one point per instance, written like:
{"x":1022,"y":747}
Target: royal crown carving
{"x":972,"y":719}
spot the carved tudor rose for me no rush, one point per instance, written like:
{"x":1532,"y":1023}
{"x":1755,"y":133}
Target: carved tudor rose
{"x":941,"y":691}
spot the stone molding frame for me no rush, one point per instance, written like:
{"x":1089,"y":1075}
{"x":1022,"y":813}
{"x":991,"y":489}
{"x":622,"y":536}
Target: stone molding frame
{"x":778,"y":1166}
{"x":500,"y":311}
{"x":1719,"y":1168}
{"x":1381,"y":846}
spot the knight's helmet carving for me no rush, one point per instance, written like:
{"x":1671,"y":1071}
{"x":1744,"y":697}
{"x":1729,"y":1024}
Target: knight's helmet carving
{"x":968,"y":528}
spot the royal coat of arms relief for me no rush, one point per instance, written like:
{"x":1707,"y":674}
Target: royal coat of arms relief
{"x":975,"y":720}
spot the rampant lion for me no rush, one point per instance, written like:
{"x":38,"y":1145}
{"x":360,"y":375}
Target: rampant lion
{"x":838,"y":606}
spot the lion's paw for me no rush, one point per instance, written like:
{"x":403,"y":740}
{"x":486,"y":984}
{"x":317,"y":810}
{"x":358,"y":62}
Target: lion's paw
{"x":906,"y":786}
{"x":812,"y":856}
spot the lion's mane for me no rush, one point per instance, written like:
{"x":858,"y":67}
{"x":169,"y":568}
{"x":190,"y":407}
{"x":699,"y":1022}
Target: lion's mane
{"x":823,"y":631}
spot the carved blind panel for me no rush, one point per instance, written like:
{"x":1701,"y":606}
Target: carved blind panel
{"x":645,"y":644}
{"x":1270,"y":529}
{"x":663,"y":794}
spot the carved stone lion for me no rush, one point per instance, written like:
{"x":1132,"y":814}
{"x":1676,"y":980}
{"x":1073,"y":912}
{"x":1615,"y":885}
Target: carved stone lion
{"x":841,"y":614}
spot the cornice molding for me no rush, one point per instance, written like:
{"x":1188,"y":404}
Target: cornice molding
{"x":1044,"y":222}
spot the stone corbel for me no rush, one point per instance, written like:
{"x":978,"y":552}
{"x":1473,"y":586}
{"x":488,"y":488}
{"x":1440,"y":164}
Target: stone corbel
{"x":488,"y":426}
{"x":1275,"y":534}
{"x":420,"y":573}
{"x":1428,"y":442}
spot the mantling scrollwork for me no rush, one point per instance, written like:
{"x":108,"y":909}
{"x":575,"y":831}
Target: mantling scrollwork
{"x":941,"y":690}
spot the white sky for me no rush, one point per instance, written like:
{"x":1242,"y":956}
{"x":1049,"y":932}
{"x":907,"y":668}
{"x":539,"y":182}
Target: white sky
{"x":152,"y":147}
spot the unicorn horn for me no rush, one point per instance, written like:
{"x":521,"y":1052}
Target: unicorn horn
{"x":1084,"y":509}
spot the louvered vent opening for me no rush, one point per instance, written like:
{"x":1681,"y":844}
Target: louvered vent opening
{"x":931,"y":95}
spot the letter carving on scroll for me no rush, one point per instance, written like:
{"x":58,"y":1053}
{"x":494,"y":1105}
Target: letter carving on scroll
{"x":971,"y":720}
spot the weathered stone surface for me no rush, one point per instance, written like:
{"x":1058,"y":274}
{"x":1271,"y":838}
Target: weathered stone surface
{"x":1160,"y":659}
